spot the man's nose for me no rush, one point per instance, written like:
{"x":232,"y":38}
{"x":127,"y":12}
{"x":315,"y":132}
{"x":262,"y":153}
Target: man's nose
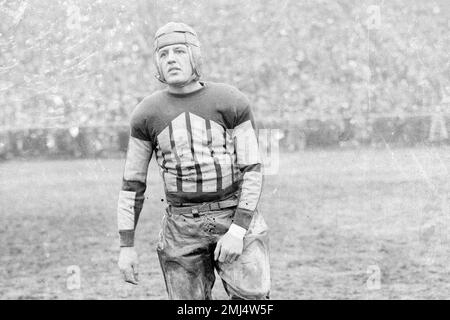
{"x":170,"y":57}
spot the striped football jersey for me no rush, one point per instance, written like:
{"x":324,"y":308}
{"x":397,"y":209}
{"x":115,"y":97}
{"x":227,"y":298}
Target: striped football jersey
{"x":206,"y":148}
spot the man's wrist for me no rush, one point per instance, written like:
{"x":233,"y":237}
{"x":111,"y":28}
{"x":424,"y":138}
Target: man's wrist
{"x":126,"y":238}
{"x":243,"y":217}
{"x":237,"y":231}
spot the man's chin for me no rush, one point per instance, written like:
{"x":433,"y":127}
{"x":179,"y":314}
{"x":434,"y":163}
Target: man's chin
{"x":174,"y":81}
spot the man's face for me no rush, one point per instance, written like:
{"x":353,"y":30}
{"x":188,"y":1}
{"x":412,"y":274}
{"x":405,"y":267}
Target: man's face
{"x":175,"y":63}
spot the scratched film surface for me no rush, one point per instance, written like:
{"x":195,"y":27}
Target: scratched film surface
{"x":352,"y":98}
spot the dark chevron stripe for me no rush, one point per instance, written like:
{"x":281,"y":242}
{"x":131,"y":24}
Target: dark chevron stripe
{"x":216,"y":162}
{"x":191,"y":144}
{"x":224,"y":140}
{"x":177,"y":158}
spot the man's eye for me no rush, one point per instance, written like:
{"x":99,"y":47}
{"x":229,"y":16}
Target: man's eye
{"x":179,"y":51}
{"x":162,"y":55}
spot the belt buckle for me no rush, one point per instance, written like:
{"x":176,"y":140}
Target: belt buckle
{"x":195,"y":212}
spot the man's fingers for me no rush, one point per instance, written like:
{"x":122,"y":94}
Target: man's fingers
{"x":136,"y":276}
{"x":128,"y":276}
{"x":232,"y":257}
{"x":223,"y":255}
{"x":128,"y":265}
{"x":131,"y":280}
{"x":229,"y":258}
{"x":135,"y":272}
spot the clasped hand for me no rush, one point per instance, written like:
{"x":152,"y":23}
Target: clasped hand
{"x":228,"y":248}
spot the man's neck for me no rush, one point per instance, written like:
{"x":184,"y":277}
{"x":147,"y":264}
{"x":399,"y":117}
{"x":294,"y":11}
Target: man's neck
{"x":190,"y":87}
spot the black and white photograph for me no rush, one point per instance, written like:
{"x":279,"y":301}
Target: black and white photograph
{"x":224,"y":150}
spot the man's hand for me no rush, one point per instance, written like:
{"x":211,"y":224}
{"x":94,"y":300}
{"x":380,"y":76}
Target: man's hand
{"x":230,"y":246}
{"x":128,"y":264}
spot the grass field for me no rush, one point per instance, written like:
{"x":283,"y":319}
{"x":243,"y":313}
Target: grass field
{"x":334,"y":216}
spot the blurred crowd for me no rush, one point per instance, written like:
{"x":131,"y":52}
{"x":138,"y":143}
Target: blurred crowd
{"x":80,"y":63}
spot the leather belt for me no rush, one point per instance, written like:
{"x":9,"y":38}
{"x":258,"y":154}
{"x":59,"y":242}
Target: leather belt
{"x":199,"y":210}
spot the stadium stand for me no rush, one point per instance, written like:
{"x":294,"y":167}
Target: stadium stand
{"x":327,"y":73}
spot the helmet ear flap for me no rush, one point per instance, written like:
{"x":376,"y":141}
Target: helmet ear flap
{"x":197,"y":61}
{"x":159,"y":74}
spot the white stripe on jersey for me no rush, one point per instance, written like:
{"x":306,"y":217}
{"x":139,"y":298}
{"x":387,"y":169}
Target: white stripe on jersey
{"x":167,"y":162}
{"x":202,"y":153}
{"x":219,"y":147}
{"x":181,"y":137}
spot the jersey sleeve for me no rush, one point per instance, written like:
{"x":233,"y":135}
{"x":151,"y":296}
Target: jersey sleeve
{"x":249,"y":162}
{"x":134,"y":182}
